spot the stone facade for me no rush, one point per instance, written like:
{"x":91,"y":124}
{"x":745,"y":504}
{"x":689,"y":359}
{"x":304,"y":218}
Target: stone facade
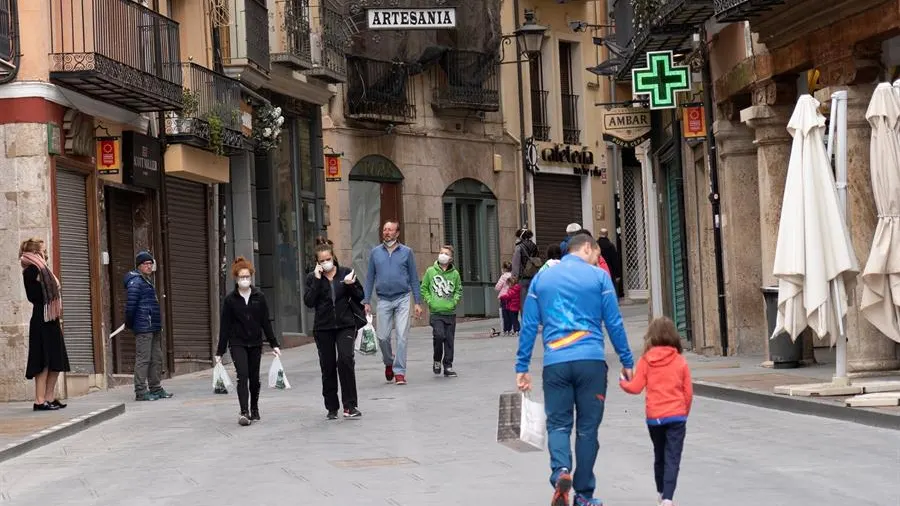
{"x":25,"y":212}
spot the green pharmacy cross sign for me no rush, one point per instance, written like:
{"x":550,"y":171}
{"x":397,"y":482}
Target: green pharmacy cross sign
{"x":661,"y":79}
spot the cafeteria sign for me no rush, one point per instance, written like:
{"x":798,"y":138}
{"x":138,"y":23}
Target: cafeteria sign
{"x":409,"y":19}
{"x":109,"y":155}
{"x":626,"y":126}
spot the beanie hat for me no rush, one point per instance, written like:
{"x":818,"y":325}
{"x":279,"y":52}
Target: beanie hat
{"x":143,"y":256}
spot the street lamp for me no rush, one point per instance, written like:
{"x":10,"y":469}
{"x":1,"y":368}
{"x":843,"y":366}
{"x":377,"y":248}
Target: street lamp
{"x":529,"y":39}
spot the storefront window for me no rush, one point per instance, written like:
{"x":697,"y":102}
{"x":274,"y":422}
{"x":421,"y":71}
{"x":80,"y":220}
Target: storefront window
{"x":287,"y":248}
{"x":304,"y":139}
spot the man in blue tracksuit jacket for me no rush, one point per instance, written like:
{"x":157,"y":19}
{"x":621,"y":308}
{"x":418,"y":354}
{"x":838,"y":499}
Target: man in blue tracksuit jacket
{"x":564,"y":300}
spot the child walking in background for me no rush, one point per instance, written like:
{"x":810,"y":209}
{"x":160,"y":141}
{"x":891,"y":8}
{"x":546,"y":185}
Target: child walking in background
{"x":442,"y":289}
{"x":664,"y":372}
{"x":502,"y":286}
{"x":512,"y":304}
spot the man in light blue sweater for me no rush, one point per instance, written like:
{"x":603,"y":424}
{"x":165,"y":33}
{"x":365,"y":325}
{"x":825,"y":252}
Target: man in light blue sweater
{"x":570,"y":300}
{"x":392,"y":276}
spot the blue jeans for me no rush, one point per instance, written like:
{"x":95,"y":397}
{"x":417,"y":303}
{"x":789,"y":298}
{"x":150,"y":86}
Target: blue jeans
{"x":571,"y":386}
{"x":393,"y":314}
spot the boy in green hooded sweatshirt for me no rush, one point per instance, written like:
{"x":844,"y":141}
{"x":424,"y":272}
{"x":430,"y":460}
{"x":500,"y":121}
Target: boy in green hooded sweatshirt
{"x":441,"y":290}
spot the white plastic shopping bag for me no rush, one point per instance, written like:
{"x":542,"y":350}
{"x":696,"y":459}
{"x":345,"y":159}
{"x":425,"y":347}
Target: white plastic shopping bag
{"x":221,"y":380}
{"x":365,"y":338}
{"x":277,"y":379}
{"x":533,"y":428}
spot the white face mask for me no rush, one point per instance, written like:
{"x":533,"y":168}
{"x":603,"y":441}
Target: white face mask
{"x":443,"y":259}
{"x":244,"y":283}
{"x":390,"y":243}
{"x":327,"y":266}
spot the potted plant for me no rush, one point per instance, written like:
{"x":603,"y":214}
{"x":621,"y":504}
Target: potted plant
{"x":267,"y":128}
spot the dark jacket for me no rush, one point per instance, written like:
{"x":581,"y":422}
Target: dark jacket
{"x":244,"y":323}
{"x":142,"y":313}
{"x":337,"y":305}
{"x":525,"y":249}
{"x":611,"y":255}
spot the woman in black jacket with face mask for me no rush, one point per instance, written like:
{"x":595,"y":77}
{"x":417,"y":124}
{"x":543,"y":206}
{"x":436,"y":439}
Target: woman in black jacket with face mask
{"x":336,"y":295}
{"x":245,"y":319}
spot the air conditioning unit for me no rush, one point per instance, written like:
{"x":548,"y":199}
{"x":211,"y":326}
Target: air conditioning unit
{"x":315,"y":46}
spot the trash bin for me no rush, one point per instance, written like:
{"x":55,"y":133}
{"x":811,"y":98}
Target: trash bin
{"x":784,"y":353}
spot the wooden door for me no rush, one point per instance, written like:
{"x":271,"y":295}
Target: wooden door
{"x":120,"y":227}
{"x":391,"y":205}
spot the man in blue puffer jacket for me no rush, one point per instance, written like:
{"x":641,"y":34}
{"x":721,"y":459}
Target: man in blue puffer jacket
{"x":144,"y":318}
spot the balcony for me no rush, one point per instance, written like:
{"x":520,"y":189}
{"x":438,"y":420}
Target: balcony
{"x":663,"y":25}
{"x":116,"y":51}
{"x":729,"y":11}
{"x":379,"y":91}
{"x":467,"y":80}
{"x":292,"y":45}
{"x":211,"y":114}
{"x":329,"y":60}
{"x":244,"y":30}
{"x":571,"y":132}
{"x":540,"y":124}
{"x":8,"y":28}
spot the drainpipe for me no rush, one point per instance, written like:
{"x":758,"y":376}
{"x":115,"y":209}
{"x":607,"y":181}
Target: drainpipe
{"x":526,"y":189}
{"x":714,"y":197}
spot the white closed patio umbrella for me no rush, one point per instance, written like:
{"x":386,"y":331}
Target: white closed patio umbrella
{"x":814,"y":261}
{"x":881,"y":277}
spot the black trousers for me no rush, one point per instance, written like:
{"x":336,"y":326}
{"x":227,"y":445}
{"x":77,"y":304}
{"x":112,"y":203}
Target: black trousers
{"x":443,"y":329}
{"x":337,"y":362}
{"x":246,"y":363}
{"x":668,"y":441}
{"x":510,"y":320}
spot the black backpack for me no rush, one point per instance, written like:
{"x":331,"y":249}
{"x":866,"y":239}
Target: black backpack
{"x":531,"y":262}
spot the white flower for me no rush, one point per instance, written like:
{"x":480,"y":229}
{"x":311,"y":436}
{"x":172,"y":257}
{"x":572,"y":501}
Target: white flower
{"x":276,"y":112}
{"x":267,"y":132}
{"x":279,"y":121}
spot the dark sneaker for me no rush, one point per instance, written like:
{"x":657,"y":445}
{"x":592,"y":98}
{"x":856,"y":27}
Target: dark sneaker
{"x":254,"y":415}
{"x":332,"y":415}
{"x":244,"y":420}
{"x":389,"y":373}
{"x":581,"y":500}
{"x":401,"y":379}
{"x":562,"y":489}
{"x":449,"y":372}
{"x":436,"y":368}
{"x":162,"y":394}
{"x":146,"y":396}
{"x":352,"y":413}
{"x":58,"y":404}
{"x":46,"y":406}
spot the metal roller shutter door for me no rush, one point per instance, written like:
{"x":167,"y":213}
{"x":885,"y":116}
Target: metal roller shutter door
{"x":189,"y":267}
{"x":75,"y":273}
{"x":121,"y":252}
{"x":557,"y":202}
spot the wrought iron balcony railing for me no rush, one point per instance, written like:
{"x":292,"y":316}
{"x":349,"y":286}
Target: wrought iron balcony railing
{"x":571,"y":132}
{"x":329,"y":59}
{"x":211,"y":114}
{"x":292,"y":34}
{"x":540,"y":122}
{"x":379,"y":91}
{"x":7,"y":30}
{"x":663,"y":25}
{"x":467,"y":80}
{"x":117,"y":51}
{"x":728,"y":11}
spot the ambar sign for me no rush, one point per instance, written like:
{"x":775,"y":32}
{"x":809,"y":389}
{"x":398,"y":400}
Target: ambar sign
{"x":397,"y":19}
{"x":626,"y":126}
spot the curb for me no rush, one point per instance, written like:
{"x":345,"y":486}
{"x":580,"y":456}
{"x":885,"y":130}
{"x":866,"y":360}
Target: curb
{"x":797,"y":405}
{"x":61,"y":431}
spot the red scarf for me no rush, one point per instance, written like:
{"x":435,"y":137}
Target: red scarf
{"x":49,"y":285}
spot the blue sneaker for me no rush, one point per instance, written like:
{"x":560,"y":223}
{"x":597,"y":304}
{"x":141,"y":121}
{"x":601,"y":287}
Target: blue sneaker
{"x":581,"y":500}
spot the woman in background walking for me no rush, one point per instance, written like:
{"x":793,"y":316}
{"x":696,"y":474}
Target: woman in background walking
{"x":336,"y":295}
{"x":47,"y":355}
{"x":245,"y":318}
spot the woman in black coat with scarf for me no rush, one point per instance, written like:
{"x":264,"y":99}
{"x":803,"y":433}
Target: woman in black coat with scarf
{"x":336,"y":295}
{"x":245,"y":318}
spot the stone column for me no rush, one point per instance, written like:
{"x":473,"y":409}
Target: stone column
{"x":242,"y":207}
{"x":739,"y":195}
{"x":867,"y":348}
{"x":773,"y":104}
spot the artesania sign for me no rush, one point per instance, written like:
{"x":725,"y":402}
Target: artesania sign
{"x":406,"y":19}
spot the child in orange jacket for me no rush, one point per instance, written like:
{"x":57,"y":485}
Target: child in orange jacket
{"x":664,"y":372}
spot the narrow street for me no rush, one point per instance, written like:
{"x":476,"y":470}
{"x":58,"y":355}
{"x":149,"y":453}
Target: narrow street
{"x":432,"y":442}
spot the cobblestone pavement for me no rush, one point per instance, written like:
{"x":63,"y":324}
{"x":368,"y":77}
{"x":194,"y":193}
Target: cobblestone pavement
{"x":432,"y":443}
